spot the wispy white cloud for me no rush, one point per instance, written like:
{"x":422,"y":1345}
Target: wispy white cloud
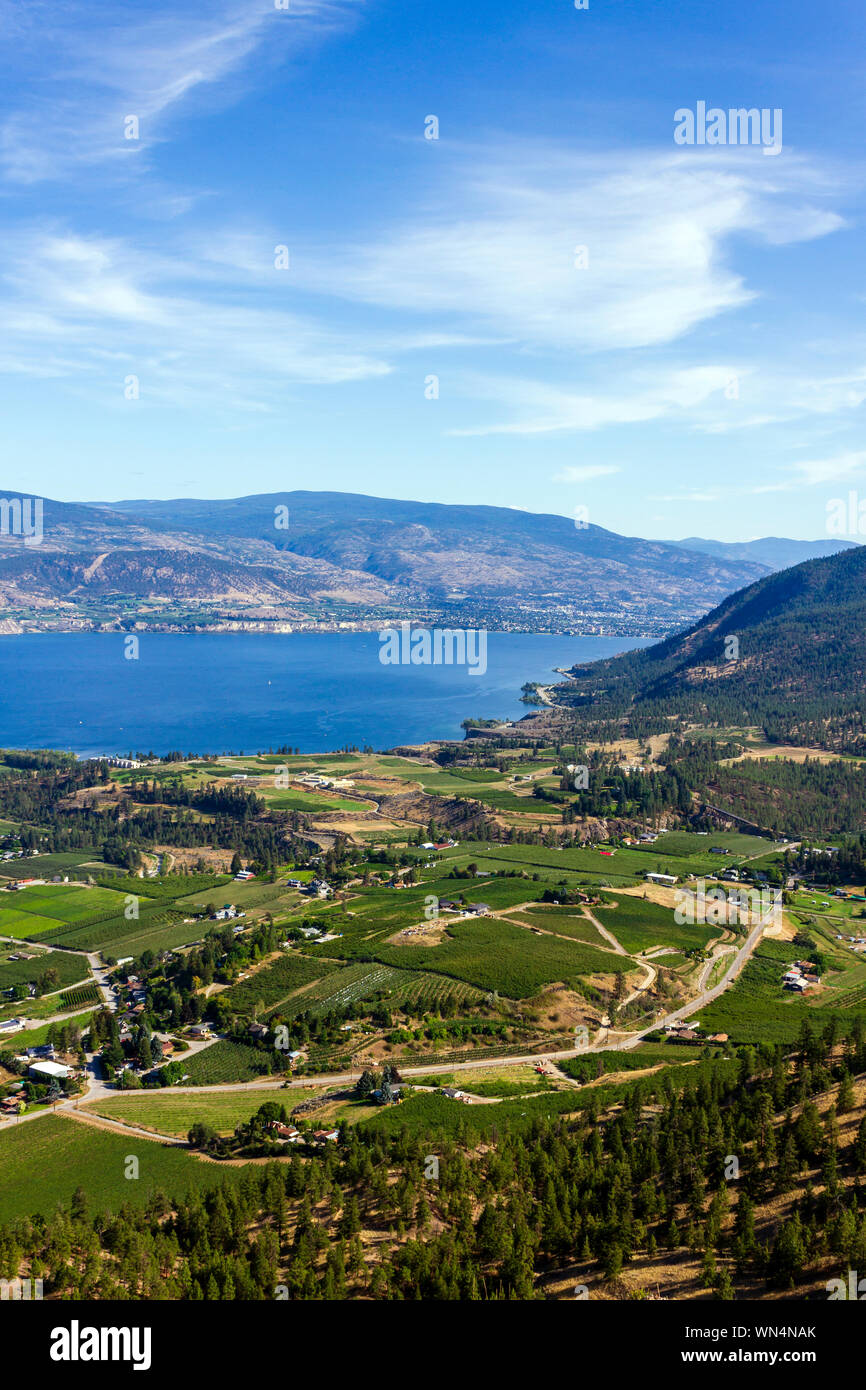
{"x":95,"y":310}
{"x":816,"y":472}
{"x":560,"y":250}
{"x":95,"y":65}
{"x":640,"y":396}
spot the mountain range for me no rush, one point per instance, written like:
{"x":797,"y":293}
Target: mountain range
{"x":307,"y":559}
{"x":774,"y":552}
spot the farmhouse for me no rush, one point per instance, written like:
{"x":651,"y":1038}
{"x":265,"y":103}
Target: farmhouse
{"x":226,"y":911}
{"x":289,"y":1134}
{"x":317,"y":888}
{"x":480,"y":909}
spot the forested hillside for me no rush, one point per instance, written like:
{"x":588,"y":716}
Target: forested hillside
{"x":788,"y":654}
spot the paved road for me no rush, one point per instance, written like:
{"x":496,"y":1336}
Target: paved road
{"x":98,"y":974}
{"x":97,"y":1090}
{"x":694,"y":1005}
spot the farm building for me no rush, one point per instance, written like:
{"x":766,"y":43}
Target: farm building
{"x":49,"y":1071}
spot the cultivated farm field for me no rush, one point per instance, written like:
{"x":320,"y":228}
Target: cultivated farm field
{"x":53,"y":1156}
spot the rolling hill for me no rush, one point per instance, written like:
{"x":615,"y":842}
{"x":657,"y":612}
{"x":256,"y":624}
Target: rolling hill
{"x":787,"y":653}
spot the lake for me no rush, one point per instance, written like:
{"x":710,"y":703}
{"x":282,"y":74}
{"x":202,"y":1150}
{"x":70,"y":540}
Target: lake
{"x":247,"y":692}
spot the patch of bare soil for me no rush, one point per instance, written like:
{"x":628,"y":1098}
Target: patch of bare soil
{"x":91,"y":798}
{"x":216,"y":861}
{"x":422,"y":934}
{"x":560,"y":1010}
{"x":347,"y":823}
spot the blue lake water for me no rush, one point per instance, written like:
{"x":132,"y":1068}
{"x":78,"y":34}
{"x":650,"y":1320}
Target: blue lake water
{"x":245,"y":692}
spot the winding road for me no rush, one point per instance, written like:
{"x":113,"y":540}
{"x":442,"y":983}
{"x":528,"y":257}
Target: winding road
{"x":97,"y":1089}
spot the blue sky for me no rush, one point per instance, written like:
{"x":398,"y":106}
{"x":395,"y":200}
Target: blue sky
{"x":699,"y":369}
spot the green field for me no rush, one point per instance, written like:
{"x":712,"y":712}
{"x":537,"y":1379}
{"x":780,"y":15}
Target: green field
{"x":639,"y":925}
{"x":170,"y":885}
{"x":494,"y":954}
{"x":70,"y":969}
{"x":34,"y":1037}
{"x":275,"y":982}
{"x":65,"y":902}
{"x":157,"y":926}
{"x":245,"y":896}
{"x":293,"y":799}
{"x":222,"y":1062}
{"x":563,"y":921}
{"x":413,"y":990}
{"x":46,"y":865}
{"x":676,"y":853}
{"x":686,"y":845}
{"x":53,"y":1156}
{"x":160,"y":932}
{"x":170,"y":1112}
{"x":24,"y":924}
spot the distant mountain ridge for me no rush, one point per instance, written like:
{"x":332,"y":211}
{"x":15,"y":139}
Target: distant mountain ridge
{"x":324,"y":558}
{"x":775,"y":552}
{"x":328,"y":559}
